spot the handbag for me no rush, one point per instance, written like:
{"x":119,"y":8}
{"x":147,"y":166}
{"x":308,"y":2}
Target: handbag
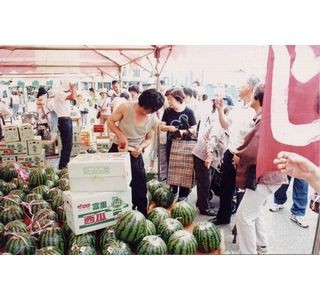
{"x":181,"y":164}
{"x":251,"y":182}
{"x":315,"y":202}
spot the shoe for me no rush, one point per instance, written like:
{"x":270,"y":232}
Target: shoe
{"x":262,"y":249}
{"x":208,"y":212}
{"x":276,"y":207}
{"x":299,"y":220}
{"x":216,"y":221}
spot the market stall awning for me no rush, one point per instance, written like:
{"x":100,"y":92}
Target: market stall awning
{"x":24,"y":60}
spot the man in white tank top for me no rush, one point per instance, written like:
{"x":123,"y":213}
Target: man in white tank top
{"x":137,"y":123}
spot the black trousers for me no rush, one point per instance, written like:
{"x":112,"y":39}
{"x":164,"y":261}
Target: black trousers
{"x":204,"y":178}
{"x":138,"y":183}
{"x":228,"y":186}
{"x":65,"y":128}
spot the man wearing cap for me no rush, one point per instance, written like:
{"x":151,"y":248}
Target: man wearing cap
{"x":64,"y":93}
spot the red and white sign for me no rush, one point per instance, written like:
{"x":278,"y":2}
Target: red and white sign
{"x":290,"y":117}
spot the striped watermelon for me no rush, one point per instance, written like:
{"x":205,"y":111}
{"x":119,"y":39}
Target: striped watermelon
{"x":116,"y":247}
{"x":207,"y":235}
{"x":33,"y":197}
{"x":55,"y":191}
{"x":11,"y":213}
{"x":163,"y":197}
{"x":8,"y":172}
{"x":2,"y":182}
{"x":43,"y":190}
{"x":51,"y":171}
{"x":7,"y":187}
{"x":182,"y":242}
{"x":15,"y":226}
{"x":20,"y":193}
{"x":66,"y":231}
{"x":39,"y":226}
{"x":106,"y":236}
{"x":54,"y":178}
{"x":21,"y":244}
{"x":152,"y":245}
{"x":52,"y":236}
{"x":167,"y":227}
{"x":151,"y":229}
{"x":10,"y":199}
{"x":18,"y":182}
{"x":153,"y":185}
{"x":1,"y":235}
{"x":61,"y":214}
{"x":64,"y":184}
{"x":45,"y":213}
{"x":157,"y":215}
{"x":57,"y":201}
{"x":36,"y":205}
{"x":50,"y":184}
{"x":50,"y":250}
{"x":63,"y":173}
{"x":37,"y":176}
{"x":85,"y":238}
{"x":184,"y":212}
{"x":131,"y":227}
{"x":25,"y":188}
{"x":82,"y":248}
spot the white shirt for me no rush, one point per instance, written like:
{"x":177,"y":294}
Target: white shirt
{"x":240,"y":117}
{"x":15,"y":99}
{"x":4,"y":110}
{"x":105,"y":104}
{"x":61,"y":106}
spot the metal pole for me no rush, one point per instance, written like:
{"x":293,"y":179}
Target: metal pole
{"x":316,"y":243}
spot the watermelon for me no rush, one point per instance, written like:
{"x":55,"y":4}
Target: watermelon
{"x":11,"y":213}
{"x":37,"y":176}
{"x":184,"y":212}
{"x":1,"y":235}
{"x":49,"y":250}
{"x":43,"y":190}
{"x":55,"y":191}
{"x":10,"y":199}
{"x":52,"y":236}
{"x":64,"y":184}
{"x":167,"y":227}
{"x":151,"y":229}
{"x":63,"y":173}
{"x":7,"y":187}
{"x":20,"y":243}
{"x":153,"y":185}
{"x":49,"y":184}
{"x":54,"y":178}
{"x":157,"y":215}
{"x":50,"y":171}
{"x":131,"y":227}
{"x":8,"y":172}
{"x":15,"y":226}
{"x":45,"y":213}
{"x":39,"y":226}
{"x":25,"y":188}
{"x":2,"y":182}
{"x":66,"y":231}
{"x":152,"y":245}
{"x":20,"y":193}
{"x":61,"y":214}
{"x":33,"y":197}
{"x":57,"y":201}
{"x":182,"y":242}
{"x":116,"y":247}
{"x":18,"y":182}
{"x":82,"y":248}
{"x":163,"y":197}
{"x":36,"y":205}
{"x":106,"y":236}
{"x":85,"y":238}
{"x":207,"y":235}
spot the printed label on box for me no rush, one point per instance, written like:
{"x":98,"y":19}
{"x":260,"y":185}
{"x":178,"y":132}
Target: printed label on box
{"x":26,"y":132}
{"x":11,"y":133}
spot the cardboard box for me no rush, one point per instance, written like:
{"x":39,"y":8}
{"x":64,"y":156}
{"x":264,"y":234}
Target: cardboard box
{"x":14,"y":148}
{"x":29,"y":161}
{"x":11,"y":133}
{"x":76,"y":138}
{"x":34,"y":147}
{"x":26,"y":132}
{"x":76,"y":129}
{"x":100,"y":172}
{"x":87,"y":212}
{"x":8,"y":160}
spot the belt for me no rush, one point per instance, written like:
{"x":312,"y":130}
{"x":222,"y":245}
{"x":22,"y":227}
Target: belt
{"x":64,"y":118}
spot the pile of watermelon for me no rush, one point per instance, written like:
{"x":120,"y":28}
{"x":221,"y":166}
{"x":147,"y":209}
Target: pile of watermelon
{"x":33,"y":221}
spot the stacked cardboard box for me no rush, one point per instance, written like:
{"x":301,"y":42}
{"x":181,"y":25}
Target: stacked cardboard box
{"x":100,"y":190}
{"x":20,"y":145}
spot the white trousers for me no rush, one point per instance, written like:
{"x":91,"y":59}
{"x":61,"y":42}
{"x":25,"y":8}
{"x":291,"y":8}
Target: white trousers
{"x":250,"y":218}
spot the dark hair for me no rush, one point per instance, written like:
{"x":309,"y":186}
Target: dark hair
{"x":187,"y":91}
{"x":195,"y":93}
{"x":177,"y":94}
{"x":151,"y":100}
{"x":204,"y":97}
{"x":167,"y":93}
{"x":125,"y":95}
{"x":134,"y":88}
{"x":259,"y":93}
{"x":41,"y":91}
{"x":196,"y":82}
{"x":114,"y":82}
{"x":162,"y":82}
{"x":91,"y":89}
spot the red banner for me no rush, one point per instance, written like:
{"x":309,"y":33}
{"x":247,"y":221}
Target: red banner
{"x":290,"y":117}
